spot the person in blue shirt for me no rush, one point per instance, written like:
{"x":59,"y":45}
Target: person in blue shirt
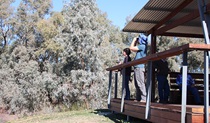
{"x":190,"y":86}
{"x":139,"y":45}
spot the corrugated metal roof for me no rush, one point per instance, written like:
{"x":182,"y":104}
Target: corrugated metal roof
{"x":155,"y":11}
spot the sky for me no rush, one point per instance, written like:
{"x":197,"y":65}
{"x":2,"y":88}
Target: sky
{"x":117,"y":10}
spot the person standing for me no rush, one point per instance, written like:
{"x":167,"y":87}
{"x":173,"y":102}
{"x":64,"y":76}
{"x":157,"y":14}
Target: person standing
{"x":162,"y":74}
{"x":127,"y":58}
{"x":139,"y":45}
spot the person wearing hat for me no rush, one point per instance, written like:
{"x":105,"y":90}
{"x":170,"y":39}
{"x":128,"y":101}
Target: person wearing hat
{"x":139,"y":45}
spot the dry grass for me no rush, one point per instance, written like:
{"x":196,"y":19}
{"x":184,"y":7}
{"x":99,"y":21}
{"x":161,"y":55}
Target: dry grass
{"x":65,"y":117}
{"x":84,"y":116}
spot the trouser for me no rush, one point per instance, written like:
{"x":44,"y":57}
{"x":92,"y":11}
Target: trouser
{"x":194,"y":92}
{"x":140,"y":84}
{"x":163,"y":88}
{"x":127,"y":95}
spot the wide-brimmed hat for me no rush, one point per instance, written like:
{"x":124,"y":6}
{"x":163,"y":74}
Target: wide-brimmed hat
{"x":142,"y":39}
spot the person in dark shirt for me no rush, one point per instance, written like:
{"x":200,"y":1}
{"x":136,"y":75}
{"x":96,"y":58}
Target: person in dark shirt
{"x":162,"y":74}
{"x":127,"y":58}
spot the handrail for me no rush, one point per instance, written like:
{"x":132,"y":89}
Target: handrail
{"x":164,"y":54}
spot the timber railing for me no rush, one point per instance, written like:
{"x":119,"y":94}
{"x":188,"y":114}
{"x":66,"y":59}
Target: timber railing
{"x":157,"y":56}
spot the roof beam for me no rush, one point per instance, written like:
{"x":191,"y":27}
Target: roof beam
{"x":171,"y":15}
{"x":146,"y":21}
{"x":178,"y":22}
{"x":163,"y":9}
{"x":171,"y":21}
{"x":158,"y":9}
{"x":134,"y":31}
{"x":183,"y":35}
{"x":193,"y":15}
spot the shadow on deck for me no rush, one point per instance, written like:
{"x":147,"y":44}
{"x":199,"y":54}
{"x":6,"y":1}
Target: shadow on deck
{"x":160,"y":113}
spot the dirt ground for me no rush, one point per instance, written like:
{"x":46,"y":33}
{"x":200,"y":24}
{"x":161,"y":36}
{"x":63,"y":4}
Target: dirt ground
{"x":4,"y":117}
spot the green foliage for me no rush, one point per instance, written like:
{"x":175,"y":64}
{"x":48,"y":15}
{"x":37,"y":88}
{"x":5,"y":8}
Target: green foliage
{"x":195,"y":58}
{"x":83,"y":35}
{"x":6,"y":22}
{"x":46,"y":29}
{"x":23,"y":88}
{"x":39,"y":8}
{"x":29,"y":13}
{"x":59,"y":61}
{"x":87,"y":52}
{"x":57,"y":19}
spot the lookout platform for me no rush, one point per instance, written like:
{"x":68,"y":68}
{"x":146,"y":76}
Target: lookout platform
{"x":160,"y":113}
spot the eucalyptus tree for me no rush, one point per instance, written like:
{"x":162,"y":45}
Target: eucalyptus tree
{"x":83,"y":35}
{"x":24,"y":89}
{"x":31,"y":88}
{"x":49,"y":49}
{"x":28,"y":14}
{"x":80,"y":40}
{"x":88,"y":51}
{"x":6,"y":23}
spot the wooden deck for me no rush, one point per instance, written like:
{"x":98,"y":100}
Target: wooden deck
{"x":160,"y":113}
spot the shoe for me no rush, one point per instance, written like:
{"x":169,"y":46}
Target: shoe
{"x":164,"y":102}
{"x":161,"y":101}
{"x":199,"y":103}
{"x":127,"y":98}
{"x":136,"y":100}
{"x":143,"y":101}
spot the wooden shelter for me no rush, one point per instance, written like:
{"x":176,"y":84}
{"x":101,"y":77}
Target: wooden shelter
{"x":179,"y":18}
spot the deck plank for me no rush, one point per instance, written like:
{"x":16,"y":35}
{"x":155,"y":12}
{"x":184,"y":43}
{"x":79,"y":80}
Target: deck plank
{"x":164,"y":113}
